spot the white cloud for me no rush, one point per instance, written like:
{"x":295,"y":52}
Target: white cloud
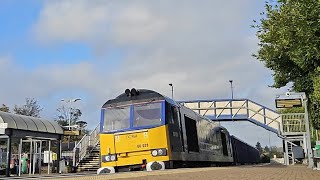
{"x":71,"y":21}
{"x":196,"y":45}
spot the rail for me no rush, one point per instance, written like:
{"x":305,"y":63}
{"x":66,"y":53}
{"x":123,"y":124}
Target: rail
{"x":85,"y":145}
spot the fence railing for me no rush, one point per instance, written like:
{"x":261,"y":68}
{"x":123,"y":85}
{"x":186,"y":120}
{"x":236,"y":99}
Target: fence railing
{"x":85,"y":145}
{"x":293,"y":123}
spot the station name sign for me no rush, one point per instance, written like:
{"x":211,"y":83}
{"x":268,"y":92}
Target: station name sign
{"x":289,"y":100}
{"x":288,"y":103}
{"x":71,"y":133}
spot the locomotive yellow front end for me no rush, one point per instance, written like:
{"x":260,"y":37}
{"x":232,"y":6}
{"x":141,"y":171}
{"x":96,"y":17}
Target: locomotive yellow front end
{"x":134,"y":149}
{"x":134,"y":137}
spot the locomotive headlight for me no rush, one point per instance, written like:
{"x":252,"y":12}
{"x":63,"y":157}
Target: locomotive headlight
{"x":107,"y":158}
{"x":154,"y":152}
{"x":159,"y":152}
{"x":113,"y":157}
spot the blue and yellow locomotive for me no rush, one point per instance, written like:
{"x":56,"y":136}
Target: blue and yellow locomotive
{"x":142,"y":129}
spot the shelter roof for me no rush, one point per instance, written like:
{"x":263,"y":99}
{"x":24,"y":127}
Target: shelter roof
{"x":28,"y":123}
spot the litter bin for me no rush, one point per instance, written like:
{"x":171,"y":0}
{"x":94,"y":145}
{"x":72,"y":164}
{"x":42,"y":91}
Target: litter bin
{"x":62,"y":166}
{"x":317,"y":151}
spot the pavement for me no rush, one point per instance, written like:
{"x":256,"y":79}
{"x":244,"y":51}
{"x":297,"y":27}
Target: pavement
{"x":258,"y":172}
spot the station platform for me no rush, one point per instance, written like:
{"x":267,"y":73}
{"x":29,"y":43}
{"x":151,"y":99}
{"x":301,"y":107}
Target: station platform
{"x":50,"y":176}
{"x":254,"y":172}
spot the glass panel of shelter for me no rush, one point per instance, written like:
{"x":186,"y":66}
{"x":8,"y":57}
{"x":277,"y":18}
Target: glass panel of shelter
{"x":3,"y":154}
{"x":27,"y":158}
{"x":31,"y":162}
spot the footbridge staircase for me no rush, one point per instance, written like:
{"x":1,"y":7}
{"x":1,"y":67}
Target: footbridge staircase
{"x":290,"y":127}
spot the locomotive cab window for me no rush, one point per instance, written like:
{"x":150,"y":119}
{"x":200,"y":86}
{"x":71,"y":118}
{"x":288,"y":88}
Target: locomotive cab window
{"x":116,"y":118}
{"x":147,"y":115}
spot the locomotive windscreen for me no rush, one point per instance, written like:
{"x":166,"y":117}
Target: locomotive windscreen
{"x":117,"y":118}
{"x":147,"y":115}
{"x":132,"y":116}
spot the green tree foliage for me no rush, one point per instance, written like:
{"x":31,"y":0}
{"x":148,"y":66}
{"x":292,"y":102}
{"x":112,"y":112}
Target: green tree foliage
{"x":289,"y":35}
{"x":291,"y":110}
{"x":4,"y":108}
{"x":31,"y":108}
{"x":266,"y":149}
{"x":259,"y":147}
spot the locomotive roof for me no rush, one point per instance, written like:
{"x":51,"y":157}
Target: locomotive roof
{"x":145,"y":95}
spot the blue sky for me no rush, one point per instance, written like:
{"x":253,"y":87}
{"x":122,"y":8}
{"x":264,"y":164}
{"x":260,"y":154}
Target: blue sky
{"x":51,"y":50}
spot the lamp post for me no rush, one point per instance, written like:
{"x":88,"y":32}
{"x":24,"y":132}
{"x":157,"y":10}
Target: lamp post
{"x":171,"y":90}
{"x":70,"y":101}
{"x":231,"y":88}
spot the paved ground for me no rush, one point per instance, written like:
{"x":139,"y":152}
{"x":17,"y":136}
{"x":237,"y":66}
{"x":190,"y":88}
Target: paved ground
{"x":232,"y":173}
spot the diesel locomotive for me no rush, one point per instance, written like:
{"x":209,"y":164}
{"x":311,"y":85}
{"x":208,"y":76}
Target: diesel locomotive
{"x":142,"y":129}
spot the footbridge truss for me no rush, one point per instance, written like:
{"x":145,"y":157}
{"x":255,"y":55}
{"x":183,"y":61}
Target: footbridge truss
{"x":238,"y":110}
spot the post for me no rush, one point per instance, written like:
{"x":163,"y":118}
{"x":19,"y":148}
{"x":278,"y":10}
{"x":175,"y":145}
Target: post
{"x":31,"y":160}
{"x":19,"y":158}
{"x":286,"y":158}
{"x":40,"y":156}
{"x":310,"y":160}
{"x":49,"y":157}
{"x":8,"y":156}
{"x":74,"y":157}
{"x":231,"y":88}
{"x":35,"y":147}
{"x":59,"y":156}
{"x":171,"y":90}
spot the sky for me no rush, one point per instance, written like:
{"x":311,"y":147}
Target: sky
{"x":94,"y":50}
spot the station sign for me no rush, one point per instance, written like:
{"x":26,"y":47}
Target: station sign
{"x":289,"y":100}
{"x":71,"y":133}
{"x":288,"y":103}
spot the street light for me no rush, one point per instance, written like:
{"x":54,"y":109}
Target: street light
{"x":70,"y":101}
{"x":231,"y":88}
{"x":171,"y":90}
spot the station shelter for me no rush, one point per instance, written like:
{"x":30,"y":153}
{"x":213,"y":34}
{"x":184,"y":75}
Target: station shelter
{"x":28,"y":145}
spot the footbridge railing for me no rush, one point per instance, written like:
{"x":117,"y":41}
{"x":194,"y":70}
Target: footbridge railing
{"x":85,"y":145}
{"x":237,"y":110}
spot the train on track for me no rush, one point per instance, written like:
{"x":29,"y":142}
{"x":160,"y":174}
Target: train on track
{"x":142,"y":129}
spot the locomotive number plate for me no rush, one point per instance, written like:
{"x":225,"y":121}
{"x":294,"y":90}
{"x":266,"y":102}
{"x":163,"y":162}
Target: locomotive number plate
{"x":142,"y":145}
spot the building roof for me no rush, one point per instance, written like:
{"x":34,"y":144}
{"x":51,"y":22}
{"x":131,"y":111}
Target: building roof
{"x":29,"y":123}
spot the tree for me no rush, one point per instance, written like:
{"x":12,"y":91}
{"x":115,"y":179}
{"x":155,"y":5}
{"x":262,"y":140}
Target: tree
{"x":259,"y":147}
{"x":4,"y":108}
{"x":31,"y":108}
{"x":276,"y":151}
{"x":63,"y":116}
{"x":289,"y":35}
{"x":266,"y":149}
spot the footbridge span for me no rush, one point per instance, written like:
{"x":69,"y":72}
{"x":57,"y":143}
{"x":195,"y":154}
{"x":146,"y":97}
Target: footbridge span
{"x":237,"y":110}
{"x":291,"y":128}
